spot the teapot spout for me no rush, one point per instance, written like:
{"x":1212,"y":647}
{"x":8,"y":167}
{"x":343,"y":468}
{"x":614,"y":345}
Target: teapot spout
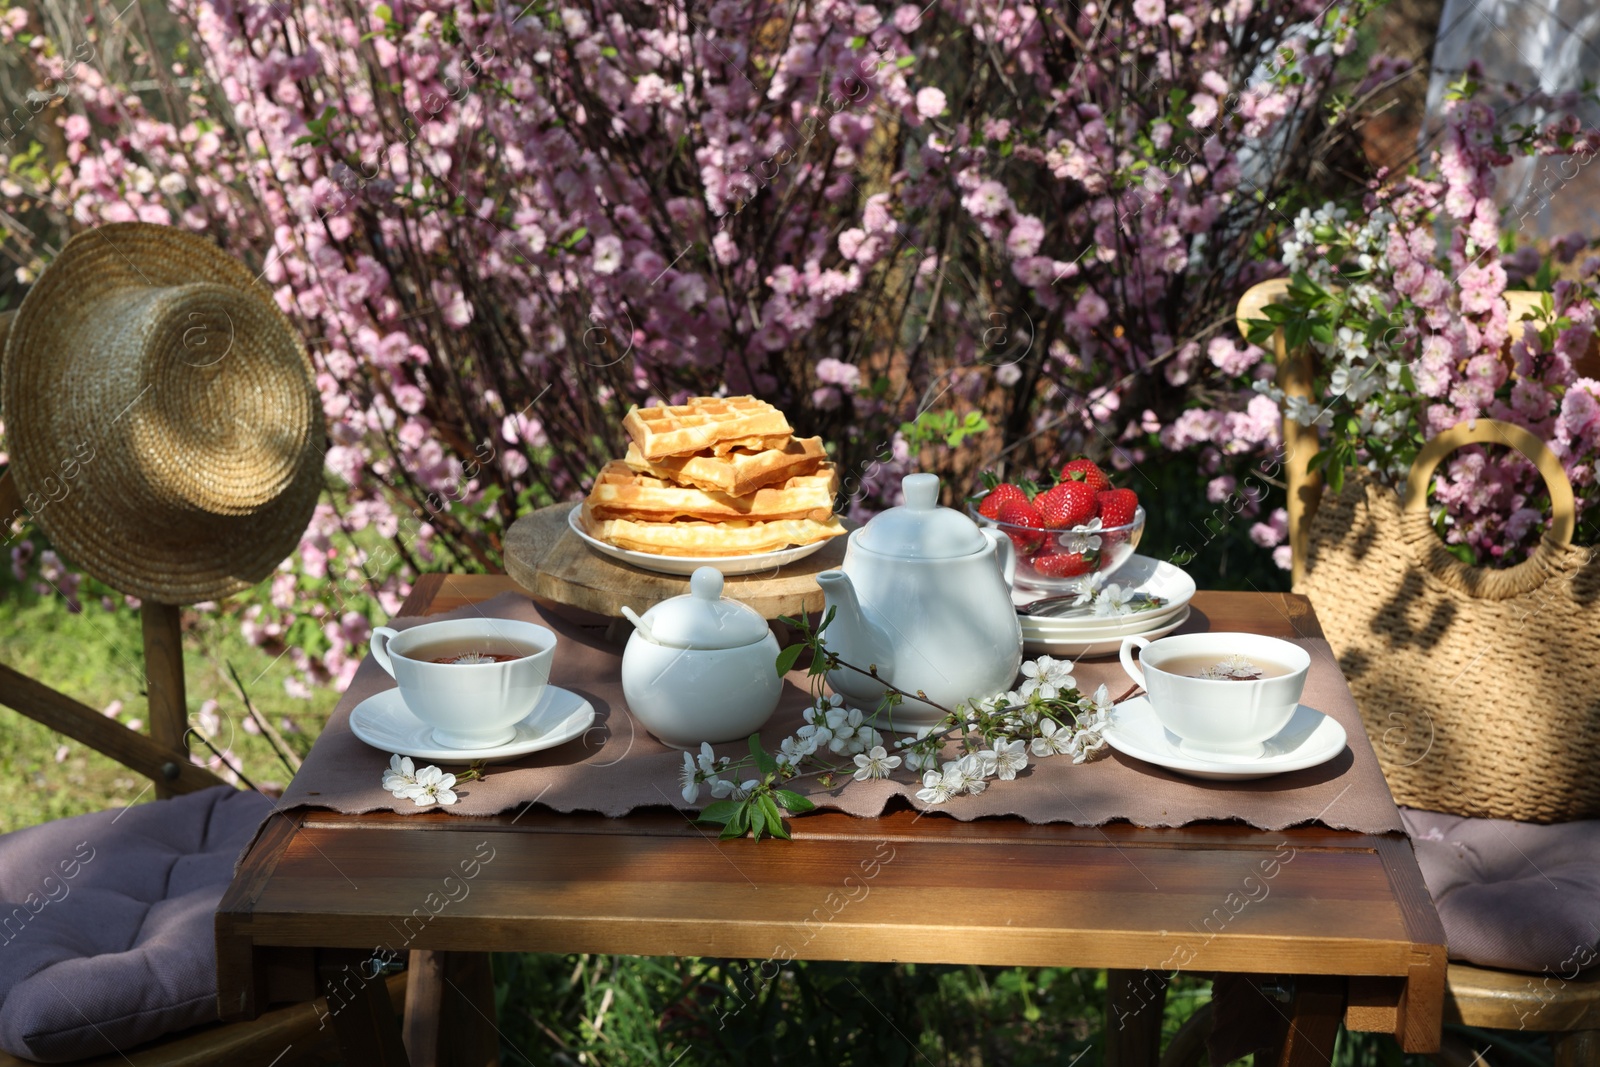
{"x":856,"y":639}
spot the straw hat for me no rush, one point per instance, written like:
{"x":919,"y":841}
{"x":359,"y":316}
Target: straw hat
{"x":162,"y":416}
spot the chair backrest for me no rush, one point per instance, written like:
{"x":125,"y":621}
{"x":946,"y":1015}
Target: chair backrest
{"x":163,"y":757}
{"x":1296,"y":376}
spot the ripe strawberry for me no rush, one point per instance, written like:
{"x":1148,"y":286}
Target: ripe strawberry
{"x":1085,"y":471}
{"x":1068,"y":504}
{"x":999,"y":497}
{"x":1021,"y":513}
{"x":1117,"y":507}
{"x":1062,"y":565}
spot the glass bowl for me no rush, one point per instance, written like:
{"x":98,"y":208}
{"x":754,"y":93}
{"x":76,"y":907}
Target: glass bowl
{"x":1106,"y":548}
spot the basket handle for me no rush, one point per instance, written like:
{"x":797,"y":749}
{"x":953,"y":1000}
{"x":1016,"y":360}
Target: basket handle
{"x":1482,"y":581}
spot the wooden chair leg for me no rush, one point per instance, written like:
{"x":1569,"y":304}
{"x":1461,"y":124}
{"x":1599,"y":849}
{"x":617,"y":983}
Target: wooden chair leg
{"x":1134,"y":1004}
{"x":450,"y":1010}
{"x":163,"y":674}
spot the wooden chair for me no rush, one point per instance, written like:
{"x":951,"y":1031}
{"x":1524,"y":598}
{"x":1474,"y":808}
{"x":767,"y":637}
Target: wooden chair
{"x":1566,"y":1008}
{"x":163,"y":757}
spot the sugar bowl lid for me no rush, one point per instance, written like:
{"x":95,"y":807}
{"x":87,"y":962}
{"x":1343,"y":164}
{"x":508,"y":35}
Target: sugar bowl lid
{"x":702,"y":618}
{"x":920,"y":528}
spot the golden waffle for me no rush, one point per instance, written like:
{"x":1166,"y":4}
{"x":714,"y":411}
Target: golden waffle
{"x":740,"y":472}
{"x":706,"y":423}
{"x":688,"y":537}
{"x":622,"y":493}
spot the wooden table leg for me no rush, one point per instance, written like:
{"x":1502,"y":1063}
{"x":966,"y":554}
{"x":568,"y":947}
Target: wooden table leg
{"x":359,"y":1008}
{"x":450,"y":1010}
{"x":1134,"y":1004}
{"x":1314,"y":1016}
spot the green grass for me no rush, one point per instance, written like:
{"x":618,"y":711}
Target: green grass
{"x":96,"y":657}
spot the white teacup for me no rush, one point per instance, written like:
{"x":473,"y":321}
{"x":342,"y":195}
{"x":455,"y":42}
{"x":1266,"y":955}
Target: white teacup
{"x":1223,"y":716}
{"x":469,"y":705}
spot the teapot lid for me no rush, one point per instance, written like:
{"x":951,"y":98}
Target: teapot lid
{"x":703,"y":618}
{"x":920,"y":528}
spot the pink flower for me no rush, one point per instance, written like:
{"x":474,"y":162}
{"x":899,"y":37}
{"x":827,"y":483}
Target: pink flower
{"x":1204,"y":111}
{"x":907,"y":17}
{"x":930,"y":102}
{"x":1150,"y":12}
{"x":607,"y":254}
{"x":1231,"y":359}
{"x":1025,"y":236}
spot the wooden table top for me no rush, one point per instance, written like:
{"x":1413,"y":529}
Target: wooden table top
{"x":902,"y":887}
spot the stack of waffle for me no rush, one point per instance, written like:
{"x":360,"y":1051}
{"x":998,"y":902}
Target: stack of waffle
{"x":714,"y":477}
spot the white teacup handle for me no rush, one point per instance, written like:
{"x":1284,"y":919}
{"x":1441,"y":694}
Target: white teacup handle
{"x":381,"y":636}
{"x":1126,"y":655}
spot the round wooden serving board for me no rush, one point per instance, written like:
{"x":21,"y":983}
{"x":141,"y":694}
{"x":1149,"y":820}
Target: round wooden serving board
{"x":546,"y":558}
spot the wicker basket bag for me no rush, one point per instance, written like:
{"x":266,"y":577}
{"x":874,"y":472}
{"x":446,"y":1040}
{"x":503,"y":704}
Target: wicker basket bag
{"x":1480,"y":689}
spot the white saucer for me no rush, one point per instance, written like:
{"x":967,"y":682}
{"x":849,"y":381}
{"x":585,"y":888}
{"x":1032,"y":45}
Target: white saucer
{"x":384,"y":722}
{"x":649,"y":561}
{"x":1310,"y":738}
{"x":1096,"y":643}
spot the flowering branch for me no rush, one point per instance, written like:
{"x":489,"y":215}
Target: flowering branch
{"x":991,"y":739}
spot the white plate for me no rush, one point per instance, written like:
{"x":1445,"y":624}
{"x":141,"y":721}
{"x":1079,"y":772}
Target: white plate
{"x":1111,"y":626}
{"x":1091,"y":644}
{"x":1141,"y":574}
{"x":1310,"y":738}
{"x":384,"y":722}
{"x":649,"y":561}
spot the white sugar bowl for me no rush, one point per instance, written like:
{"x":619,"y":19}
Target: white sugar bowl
{"x":701,"y":667}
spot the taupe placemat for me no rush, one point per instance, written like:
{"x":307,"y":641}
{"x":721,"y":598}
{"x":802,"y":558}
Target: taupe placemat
{"x":617,"y":767}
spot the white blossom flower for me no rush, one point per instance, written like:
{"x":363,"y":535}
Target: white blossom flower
{"x":1113,"y":600}
{"x":433,"y":787}
{"x":815,"y":736}
{"x":745,"y":790}
{"x":792,"y":750}
{"x":707,"y":759}
{"x":918,"y":760}
{"x":875,"y":764}
{"x":1047,"y":677}
{"x":966,"y":775}
{"x":1087,"y":743}
{"x":1005,"y":759}
{"x":1085,"y":538}
{"x":936,"y":788}
{"x":401,"y":775}
{"x":689,"y":780}
{"x":1053,"y":740}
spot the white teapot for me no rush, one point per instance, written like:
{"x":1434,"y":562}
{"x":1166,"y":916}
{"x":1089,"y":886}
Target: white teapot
{"x":924,"y":597}
{"x":701,"y":667}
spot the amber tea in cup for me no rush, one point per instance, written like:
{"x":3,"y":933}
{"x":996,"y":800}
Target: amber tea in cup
{"x":1232,"y":668}
{"x":471,"y":650}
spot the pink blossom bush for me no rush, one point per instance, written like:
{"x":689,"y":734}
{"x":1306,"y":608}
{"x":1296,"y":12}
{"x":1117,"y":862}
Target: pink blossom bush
{"x":500,"y":226}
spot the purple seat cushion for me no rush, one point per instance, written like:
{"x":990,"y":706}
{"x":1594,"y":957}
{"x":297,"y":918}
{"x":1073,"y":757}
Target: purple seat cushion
{"x":1516,"y":896}
{"x":106,"y":935}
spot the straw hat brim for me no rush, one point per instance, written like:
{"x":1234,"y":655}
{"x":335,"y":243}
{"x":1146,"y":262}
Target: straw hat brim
{"x":164,"y":424}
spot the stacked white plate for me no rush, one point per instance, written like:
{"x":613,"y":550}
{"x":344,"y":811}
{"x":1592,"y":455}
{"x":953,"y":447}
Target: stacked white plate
{"x":1092,"y":635}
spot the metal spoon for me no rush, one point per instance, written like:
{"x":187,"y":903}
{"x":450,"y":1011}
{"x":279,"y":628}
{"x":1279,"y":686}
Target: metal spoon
{"x":1070,"y":604}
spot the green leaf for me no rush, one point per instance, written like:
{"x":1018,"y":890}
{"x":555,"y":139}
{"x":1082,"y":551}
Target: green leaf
{"x":857,"y":42}
{"x":739,"y":825}
{"x":720,"y":812}
{"x":766,"y":763}
{"x":793,"y":802}
{"x":758,"y":819}
{"x":609,"y":52}
{"x":774,"y":817}
{"x":383,"y":14}
{"x":905,"y":61}
{"x":788,"y":658}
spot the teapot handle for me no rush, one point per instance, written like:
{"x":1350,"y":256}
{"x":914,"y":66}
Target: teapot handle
{"x":1005,"y":553}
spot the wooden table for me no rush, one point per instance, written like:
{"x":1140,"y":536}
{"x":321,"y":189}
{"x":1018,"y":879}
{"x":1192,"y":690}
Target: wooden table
{"x":1347,"y":925}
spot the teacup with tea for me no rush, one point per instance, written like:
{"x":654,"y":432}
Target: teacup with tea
{"x":472,"y":680}
{"x":1220,"y":693}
